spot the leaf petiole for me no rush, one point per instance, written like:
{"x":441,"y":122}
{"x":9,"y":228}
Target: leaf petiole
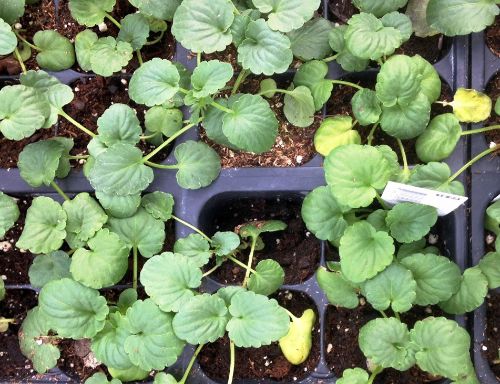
{"x":79,"y":157}
{"x":371,"y":135}
{"x":198,"y":58}
{"x":374,"y":374}
{"x":236,"y":261}
{"x":241,"y":78}
{"x":185,"y":223}
{"x":134,"y":279}
{"x":232,"y":362}
{"x":221,"y":108}
{"x":59,"y":190}
{"x":348,"y":83}
{"x":157,"y":40}
{"x":20,"y":60}
{"x":406,"y":169}
{"x":161,"y":166}
{"x":32,"y":46}
{"x":75,"y":123}
{"x":113,"y":20}
{"x":495,"y":148}
{"x":250,"y":261}
{"x":190,"y":365}
{"x":331,"y":58}
{"x":210,"y":271}
{"x":139,"y":57}
{"x":479,"y":130}
{"x":381,"y":202}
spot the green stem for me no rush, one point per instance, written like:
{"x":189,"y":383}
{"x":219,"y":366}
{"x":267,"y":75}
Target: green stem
{"x":397,"y":315}
{"x":210,"y":271}
{"x":374,"y":374}
{"x":139,"y":57}
{"x":21,"y":62}
{"x":134,"y":278}
{"x":232,"y":362}
{"x":161,"y":166}
{"x":190,"y":365}
{"x":241,"y":77}
{"x":59,"y":190}
{"x":292,"y":316}
{"x":383,"y":314}
{"x":472,"y":161}
{"x":242,"y":265}
{"x":76,"y":123}
{"x":185,"y":223}
{"x":479,"y":130}
{"x":147,"y":137}
{"x":79,"y":157}
{"x":221,"y":108}
{"x":235,"y":9}
{"x":113,"y":20}
{"x":372,"y":134}
{"x":250,"y":261}
{"x":198,"y":58}
{"x":349,"y":84}
{"x":381,"y":202}
{"x":277,"y":90}
{"x":157,"y":40}
{"x":71,"y":251}
{"x":331,"y":58}
{"x":32,"y":46}
{"x":406,"y":169}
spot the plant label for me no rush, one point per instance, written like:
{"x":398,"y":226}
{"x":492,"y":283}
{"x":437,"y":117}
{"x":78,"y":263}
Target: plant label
{"x":444,"y":202}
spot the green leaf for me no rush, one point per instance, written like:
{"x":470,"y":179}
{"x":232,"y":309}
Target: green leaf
{"x":131,"y":374}
{"x":213,"y":123}
{"x":141,"y":230}
{"x":470,"y":295}
{"x":9,"y":213}
{"x":201,"y":320}
{"x":120,"y":170}
{"x":73,"y":310}
{"x":8,"y":40}
{"x":430,"y":84}
{"x":159,"y":9}
{"x":197,"y":163}
{"x":379,"y":8}
{"x":311,"y":41}
{"x":345,"y":58}
{"x":127,"y":298}
{"x":264,"y":51}
{"x":338,"y":289}
{"x":386,"y":342}
{"x":240,"y":24}
{"x":11,"y":11}
{"x":378,"y":220}
{"x":416,"y":10}
{"x":355,"y":174}
{"x":101,"y":378}
{"x":203,"y":25}
{"x":490,"y":266}
{"x":134,"y":30}
{"x":269,"y":276}
{"x":56,"y":51}
{"x":84,"y":42}
{"x":353,"y":376}
{"x":439,"y":139}
{"x":367,"y":38}
{"x":39,"y":161}
{"x":49,"y":267}
{"x":90,"y":12}
{"x":471,"y":106}
{"x":497,"y":107}
{"x":287,"y":15}
{"x":299,"y":107}
{"x":364,"y":252}
{"x":164,"y":378}
{"x":44,"y":356}
{"x":103,"y":264}
{"x":109,"y":56}
{"x":2,"y":290}
{"x":210,"y":77}
{"x":227,"y":293}
{"x":296,"y":345}
{"x":252,"y":126}
{"x":435,"y":176}
{"x":437,"y":277}
{"x":366,"y":107}
{"x":323,"y":215}
{"x":399,"y":21}
{"x":119,"y":124}
{"x":474,"y":16}
{"x":256,"y":228}
{"x":159,"y":205}
{"x":443,"y":346}
{"x":169,"y":279}
{"x":225,"y":242}
{"x":492,"y":218}
{"x":44,"y":226}
{"x":22,"y":111}
{"x":409,"y":249}
{"x":153,"y":343}
{"x":256,"y":320}
{"x":162,"y":120}
{"x":196,"y":247}
{"x":410,"y":221}
{"x":119,"y":206}
{"x":334,"y":132}
{"x":393,"y":287}
{"x":312,"y":75}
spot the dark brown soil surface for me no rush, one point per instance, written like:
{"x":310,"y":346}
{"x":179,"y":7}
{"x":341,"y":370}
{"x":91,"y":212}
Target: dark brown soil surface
{"x":294,"y":146}
{"x":492,"y":335}
{"x":341,"y":341}
{"x":493,"y":91}
{"x":266,"y":362}
{"x":340,"y":103}
{"x":492,"y":37}
{"x":430,"y":48}
{"x":13,"y":365}
{"x":77,"y":360}
{"x":14,"y":263}
{"x":295,"y":249}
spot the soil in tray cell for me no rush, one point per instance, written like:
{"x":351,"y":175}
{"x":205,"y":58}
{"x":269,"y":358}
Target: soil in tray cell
{"x":491,"y":344}
{"x":492,"y":37}
{"x":266,"y":362}
{"x":342,"y":348}
{"x":13,"y":364}
{"x":493,"y":91}
{"x":295,"y":249}
{"x":294,"y":146}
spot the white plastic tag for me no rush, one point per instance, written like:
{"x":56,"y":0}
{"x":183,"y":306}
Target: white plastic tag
{"x":444,"y":202}
{"x":496,"y":198}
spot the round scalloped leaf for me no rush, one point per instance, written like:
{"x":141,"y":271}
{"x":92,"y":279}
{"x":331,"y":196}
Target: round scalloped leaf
{"x":490,"y":266}
{"x":430,"y":84}
{"x":435,"y":176}
{"x":159,"y":204}
{"x":8,"y":40}
{"x":134,"y":30}
{"x":364,"y":252}
{"x":101,"y":378}
{"x":119,"y":170}
{"x":323,"y":215}
{"x":299,"y":107}
{"x":56,"y":52}
{"x":44,"y":356}
{"x":153,"y":343}
{"x":399,"y":21}
{"x":338,"y":289}
{"x":202,"y":320}
{"x":442,"y":346}
{"x":154,"y":83}
{"x":22,"y":111}
{"x":492,"y":219}
{"x":379,"y":8}
{"x":203,"y":25}
{"x":49,"y":267}
{"x":159,"y":9}
{"x":412,"y":248}
{"x":44,"y":226}
{"x":256,"y":228}
{"x":471,"y":106}
{"x":225,"y":242}
{"x":141,"y":230}
{"x":169,"y":279}
{"x":312,"y":75}
{"x":162,"y":120}
{"x":39,"y":161}
{"x":439,"y":139}
{"x":119,"y":206}
{"x":334,"y":132}
{"x":226,"y":293}
{"x":240,"y":24}
{"x":119,"y":124}
{"x":213,"y":122}
{"x":194,"y":246}
{"x":104,"y":264}
{"x":409,"y":121}
{"x":198,"y":164}
{"x":11,"y":11}
{"x":416,"y":10}
{"x":84,"y":42}
{"x":377,"y":220}
{"x":296,"y":345}
{"x":268,"y":277}
{"x":90,"y":12}
{"x":366,"y":107}
{"x":252,"y":126}
{"x":72,"y":309}
{"x":9,"y":213}
{"x":367,"y":38}
{"x":470,"y":295}
{"x":410,"y":221}
{"x":264,"y":51}
{"x":353,"y":376}
{"x":311,"y":41}
{"x":287,"y":15}
{"x":437,"y":277}
{"x":393,"y":287}
{"x":210,"y":77}
{"x":386,"y":342}
{"x":345,"y":58}
{"x":474,"y":15}
{"x":164,"y":378}
{"x":256,"y":320}
{"x":109,"y":56}
{"x":356,"y":173}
